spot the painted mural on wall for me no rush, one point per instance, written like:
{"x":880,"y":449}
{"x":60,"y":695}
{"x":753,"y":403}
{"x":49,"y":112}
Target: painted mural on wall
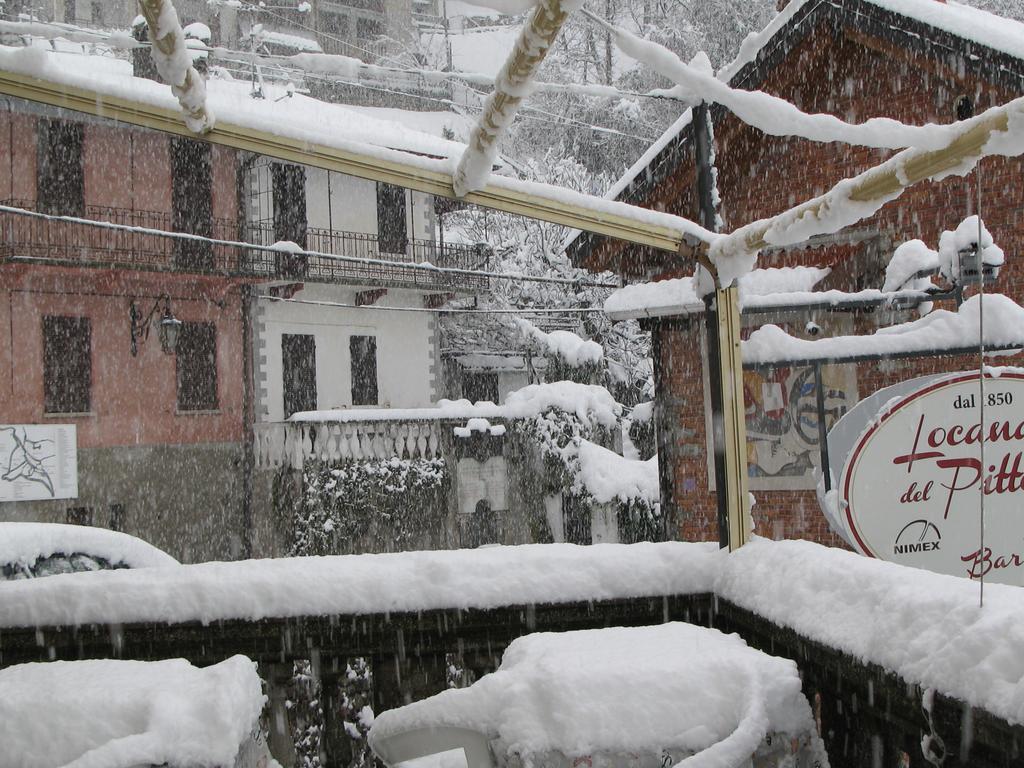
{"x":783,"y":450}
{"x":782,"y":422}
{"x":38,"y":462}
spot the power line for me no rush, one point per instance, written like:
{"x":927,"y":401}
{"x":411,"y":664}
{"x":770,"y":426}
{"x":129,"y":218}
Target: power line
{"x":119,"y":41}
{"x":453,"y":311}
{"x":557,"y":119}
{"x":243,"y":59}
{"x":562,"y":119}
{"x":257,"y":9}
{"x":362,"y":260}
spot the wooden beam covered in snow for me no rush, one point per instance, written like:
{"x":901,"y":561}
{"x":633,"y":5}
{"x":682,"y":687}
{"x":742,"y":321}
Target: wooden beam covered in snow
{"x":869,"y":191}
{"x":511,"y":86}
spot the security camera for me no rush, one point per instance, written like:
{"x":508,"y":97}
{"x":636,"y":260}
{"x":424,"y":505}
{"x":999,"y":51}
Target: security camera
{"x":812,"y":328}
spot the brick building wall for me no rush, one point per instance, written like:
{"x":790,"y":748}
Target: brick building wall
{"x":853,"y":76}
{"x":148,"y":464}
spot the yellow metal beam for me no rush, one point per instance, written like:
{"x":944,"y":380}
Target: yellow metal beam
{"x":734,"y":426}
{"x":162,"y":18}
{"x":510,"y":197}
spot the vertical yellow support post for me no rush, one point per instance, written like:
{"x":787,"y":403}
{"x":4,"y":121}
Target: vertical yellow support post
{"x":725,"y":365}
{"x":734,"y":427}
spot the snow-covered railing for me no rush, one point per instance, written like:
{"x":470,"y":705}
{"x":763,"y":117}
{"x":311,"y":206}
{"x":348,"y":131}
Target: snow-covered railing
{"x":293,"y":443}
{"x":364,"y":245}
{"x":136,"y":243}
{"x":925,"y":627}
{"x":364,"y":584}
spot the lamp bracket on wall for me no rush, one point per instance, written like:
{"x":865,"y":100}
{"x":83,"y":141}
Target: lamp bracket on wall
{"x":169,"y":327}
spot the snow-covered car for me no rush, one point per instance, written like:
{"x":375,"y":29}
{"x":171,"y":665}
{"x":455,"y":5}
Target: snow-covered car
{"x":30,"y":550}
{"x":127,"y":714}
{"x":637,"y":697}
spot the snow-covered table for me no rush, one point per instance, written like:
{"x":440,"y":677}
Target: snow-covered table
{"x":616,"y":697}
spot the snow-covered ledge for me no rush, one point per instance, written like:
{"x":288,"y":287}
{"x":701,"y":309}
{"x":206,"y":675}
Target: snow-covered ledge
{"x":924,"y":627}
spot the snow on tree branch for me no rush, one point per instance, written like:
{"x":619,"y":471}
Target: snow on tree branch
{"x":565,"y":344}
{"x":174,"y":63}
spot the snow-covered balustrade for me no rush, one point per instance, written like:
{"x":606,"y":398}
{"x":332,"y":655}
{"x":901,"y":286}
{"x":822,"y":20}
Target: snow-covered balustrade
{"x":366,"y":433}
{"x":293,"y":443}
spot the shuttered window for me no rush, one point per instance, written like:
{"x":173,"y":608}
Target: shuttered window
{"x":298,"y":356}
{"x":196,"y":363}
{"x":363,"y":354}
{"x":61,"y":188}
{"x":67,"y":364}
{"x":192,"y":202}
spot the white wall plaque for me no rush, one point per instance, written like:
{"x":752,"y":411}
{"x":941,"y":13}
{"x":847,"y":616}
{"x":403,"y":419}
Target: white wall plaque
{"x":38,"y":461}
{"x":910,"y":490}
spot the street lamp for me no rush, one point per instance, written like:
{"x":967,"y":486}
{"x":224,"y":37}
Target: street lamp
{"x":169,"y":327}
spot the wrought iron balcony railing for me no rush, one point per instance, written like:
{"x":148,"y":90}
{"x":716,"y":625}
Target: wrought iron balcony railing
{"x":57,"y":241}
{"x":63,"y":241}
{"x":399,"y":255}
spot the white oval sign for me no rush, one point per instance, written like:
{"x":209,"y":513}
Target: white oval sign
{"x":911,"y":489}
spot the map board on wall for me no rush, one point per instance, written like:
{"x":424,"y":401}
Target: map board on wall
{"x":38,"y":461}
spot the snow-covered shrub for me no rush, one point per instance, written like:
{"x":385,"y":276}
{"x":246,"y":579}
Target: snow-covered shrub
{"x":640,"y":520}
{"x":306,"y":714}
{"x":569,"y":356}
{"x":642,"y":430}
{"x":559,"y":436}
{"x":369,"y":506}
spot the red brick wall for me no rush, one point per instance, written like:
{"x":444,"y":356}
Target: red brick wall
{"x":134,"y":398}
{"x":853,"y":78}
{"x":17,"y":169}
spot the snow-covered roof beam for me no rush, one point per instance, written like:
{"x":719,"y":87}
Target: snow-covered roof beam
{"x":174,"y":62}
{"x":433,"y":176}
{"x":1000,"y":131}
{"x":512,"y":85}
